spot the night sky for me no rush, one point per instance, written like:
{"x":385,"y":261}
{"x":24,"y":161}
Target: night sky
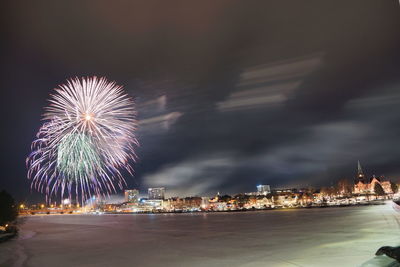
{"x":230,"y":94}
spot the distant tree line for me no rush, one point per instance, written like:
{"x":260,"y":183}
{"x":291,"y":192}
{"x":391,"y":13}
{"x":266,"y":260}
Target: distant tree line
{"x":8,"y":208}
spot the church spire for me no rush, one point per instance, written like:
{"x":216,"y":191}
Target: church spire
{"x":360,"y":171}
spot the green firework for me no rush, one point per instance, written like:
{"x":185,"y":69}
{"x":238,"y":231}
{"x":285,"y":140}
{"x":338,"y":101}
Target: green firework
{"x":77,"y":156}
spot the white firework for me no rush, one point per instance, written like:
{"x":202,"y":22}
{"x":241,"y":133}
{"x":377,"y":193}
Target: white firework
{"x":87,"y":139}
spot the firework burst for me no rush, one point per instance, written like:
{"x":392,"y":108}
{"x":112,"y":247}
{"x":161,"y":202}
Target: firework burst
{"x":87,"y":138}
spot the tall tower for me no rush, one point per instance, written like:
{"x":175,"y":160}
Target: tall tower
{"x":360,"y":173}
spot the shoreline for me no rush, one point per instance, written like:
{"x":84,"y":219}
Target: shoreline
{"x":7,"y":236}
{"x":381,"y":202}
{"x":371,"y":203}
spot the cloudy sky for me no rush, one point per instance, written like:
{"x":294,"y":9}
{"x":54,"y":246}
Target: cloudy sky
{"x":230,"y":94}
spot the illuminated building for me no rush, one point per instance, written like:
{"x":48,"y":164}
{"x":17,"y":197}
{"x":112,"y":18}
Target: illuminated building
{"x":263,"y":189}
{"x":131,"y":195}
{"x":364,"y":186}
{"x":205,"y":202}
{"x":218,"y":206}
{"x":151,"y":204}
{"x":156,"y":193}
{"x":286,"y":190}
{"x":186,"y":204}
{"x":263,"y":202}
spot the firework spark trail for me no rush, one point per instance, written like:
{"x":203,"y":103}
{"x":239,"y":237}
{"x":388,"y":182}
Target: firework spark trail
{"x":87,"y":138}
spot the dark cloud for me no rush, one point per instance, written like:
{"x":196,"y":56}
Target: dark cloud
{"x":229,"y":94}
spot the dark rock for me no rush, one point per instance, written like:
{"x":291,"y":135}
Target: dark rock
{"x":392,"y":252}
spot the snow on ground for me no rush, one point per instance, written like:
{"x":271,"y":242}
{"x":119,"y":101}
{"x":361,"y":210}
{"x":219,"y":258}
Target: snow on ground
{"x":346,"y":236}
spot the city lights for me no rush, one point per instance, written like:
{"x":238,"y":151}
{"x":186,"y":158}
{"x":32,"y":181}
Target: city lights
{"x":360,"y":193}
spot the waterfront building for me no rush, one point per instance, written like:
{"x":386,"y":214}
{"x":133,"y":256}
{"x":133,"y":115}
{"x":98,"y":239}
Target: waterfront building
{"x":144,"y":205}
{"x":132,"y":195}
{"x":184,"y":204}
{"x":152,"y":204}
{"x":193,"y":203}
{"x":363,"y":185}
{"x":263,"y":203}
{"x":263,"y":190}
{"x":218,"y":206}
{"x":205,"y":203}
{"x":156,"y":193}
{"x":286,"y":190}
{"x":286,"y":200}
{"x":249,"y":202}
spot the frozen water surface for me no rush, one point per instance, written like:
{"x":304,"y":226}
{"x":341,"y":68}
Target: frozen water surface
{"x":308,"y":237}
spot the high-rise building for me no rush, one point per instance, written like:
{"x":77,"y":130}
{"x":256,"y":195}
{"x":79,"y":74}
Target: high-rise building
{"x":263,"y":189}
{"x":132,"y":195}
{"x":156,"y":193}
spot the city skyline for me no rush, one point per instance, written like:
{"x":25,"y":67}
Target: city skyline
{"x":262,"y":189}
{"x":369,"y":179}
{"x":143,"y":192}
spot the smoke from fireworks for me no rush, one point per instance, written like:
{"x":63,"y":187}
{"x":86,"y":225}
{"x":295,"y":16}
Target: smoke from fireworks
{"x":87,"y":138}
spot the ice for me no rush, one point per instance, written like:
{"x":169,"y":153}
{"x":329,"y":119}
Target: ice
{"x":347,"y":236}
